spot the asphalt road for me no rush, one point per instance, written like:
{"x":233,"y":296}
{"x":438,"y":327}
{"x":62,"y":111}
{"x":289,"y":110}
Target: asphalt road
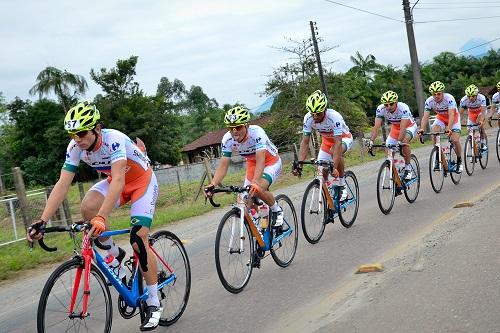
{"x":441,"y":269}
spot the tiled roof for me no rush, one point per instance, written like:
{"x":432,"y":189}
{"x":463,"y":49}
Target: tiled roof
{"x":215,"y":137}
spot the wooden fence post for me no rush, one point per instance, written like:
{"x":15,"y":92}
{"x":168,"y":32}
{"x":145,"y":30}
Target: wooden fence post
{"x":21,"y":196}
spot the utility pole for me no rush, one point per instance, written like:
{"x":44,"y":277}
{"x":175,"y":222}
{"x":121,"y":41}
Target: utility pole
{"x":318,"y":59}
{"x":417,"y":77}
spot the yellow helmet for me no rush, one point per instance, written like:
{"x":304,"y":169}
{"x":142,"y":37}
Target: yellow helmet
{"x":317,"y":102}
{"x":498,"y":86}
{"x":236,"y":116}
{"x":81,"y":117}
{"x":389,"y":97}
{"x":471,"y":90}
{"x":436,"y":86}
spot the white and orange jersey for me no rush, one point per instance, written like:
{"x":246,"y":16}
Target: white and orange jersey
{"x":114,"y":146}
{"x":473,"y":108}
{"x":496,"y":100}
{"x":333,"y":124}
{"x":394,"y":118}
{"x":256,"y":140}
{"x":441,"y":108}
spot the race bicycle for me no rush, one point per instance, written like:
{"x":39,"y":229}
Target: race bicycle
{"x":442,"y":161}
{"x":473,"y":150}
{"x":76,"y":297}
{"x":243,"y":239}
{"x":390,"y":181}
{"x":321,"y":201}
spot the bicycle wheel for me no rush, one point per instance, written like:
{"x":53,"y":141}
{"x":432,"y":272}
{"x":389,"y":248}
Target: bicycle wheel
{"x":386,"y":189}
{"x":455,"y":176}
{"x":483,"y":156}
{"x":284,"y":251}
{"x":436,"y":171}
{"x":497,"y":145}
{"x":411,"y":190}
{"x":469,"y":156}
{"x":52,"y":314}
{"x":313,"y":212}
{"x":233,"y":253}
{"x":349,"y":208}
{"x":175,"y":295}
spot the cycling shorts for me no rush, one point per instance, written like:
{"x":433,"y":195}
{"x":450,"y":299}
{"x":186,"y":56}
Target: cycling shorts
{"x":454,"y":128}
{"x":141,"y":192}
{"x":411,"y":131}
{"x":270,"y":173}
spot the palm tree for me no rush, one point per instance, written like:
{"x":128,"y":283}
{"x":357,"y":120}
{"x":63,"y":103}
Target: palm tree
{"x":60,"y":82}
{"x":365,"y":67}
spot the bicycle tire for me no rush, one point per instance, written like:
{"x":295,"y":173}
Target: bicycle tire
{"x":416,"y":185}
{"x":436,"y":176}
{"x":175,"y":296}
{"x":469,"y":156}
{"x":455,"y":176}
{"x":497,"y":145}
{"x":64,"y":323}
{"x":288,"y":245}
{"x":243,"y":261}
{"x":315,"y":232}
{"x":383,"y":182}
{"x":484,"y":155}
{"x":351,"y":183}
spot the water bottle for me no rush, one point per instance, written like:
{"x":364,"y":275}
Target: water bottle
{"x":331,"y":188}
{"x":399,"y":164}
{"x":254,"y":214}
{"x":264,"y":215}
{"x":446,"y":149}
{"x":477,"y":136}
{"x":115,"y":266}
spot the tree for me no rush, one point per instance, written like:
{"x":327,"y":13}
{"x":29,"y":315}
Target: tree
{"x":118,"y":82}
{"x":60,"y":82}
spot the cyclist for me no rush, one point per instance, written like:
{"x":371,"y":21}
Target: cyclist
{"x":130,"y":178}
{"x":336,"y":138}
{"x":263,"y":162}
{"x":495,"y":103}
{"x":448,"y":118}
{"x":475,"y":103}
{"x":403,"y":126}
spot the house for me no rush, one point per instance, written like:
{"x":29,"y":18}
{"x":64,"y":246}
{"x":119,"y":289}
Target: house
{"x":209,"y":144}
{"x":488,"y":92}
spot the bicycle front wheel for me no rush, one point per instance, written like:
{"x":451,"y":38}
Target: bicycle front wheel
{"x":53,"y":315}
{"x":455,"y":176}
{"x":497,"y":145}
{"x":313,"y":213}
{"x":233,"y":252}
{"x":483,"y":156}
{"x":411,"y":190}
{"x":386,"y":188}
{"x":284,"y":250}
{"x":469,"y":156}
{"x":436,"y":170}
{"x":349,"y":208}
{"x":175,"y":295}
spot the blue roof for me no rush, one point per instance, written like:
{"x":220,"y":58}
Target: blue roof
{"x":478,"y":51}
{"x":265,"y":106}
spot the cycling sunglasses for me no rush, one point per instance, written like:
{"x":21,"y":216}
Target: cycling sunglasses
{"x":389,"y":104}
{"x":80,"y":134}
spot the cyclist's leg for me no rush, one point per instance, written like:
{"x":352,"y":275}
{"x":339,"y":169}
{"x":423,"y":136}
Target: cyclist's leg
{"x":346,"y":145}
{"x":410,"y":133}
{"x":90,"y":206}
{"x":455,"y":138}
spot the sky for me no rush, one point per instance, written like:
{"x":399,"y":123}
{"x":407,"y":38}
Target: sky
{"x":224,"y":46}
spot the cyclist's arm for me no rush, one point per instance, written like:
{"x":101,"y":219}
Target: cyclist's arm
{"x":115,"y":187}
{"x":461,"y":111}
{"x":221,"y":171}
{"x":376,"y":127}
{"x":260,"y":163}
{"x":58,"y":194}
{"x":451,"y":115}
{"x":402,"y":129}
{"x":425,"y":119}
{"x":304,"y":144}
{"x":492,"y":109}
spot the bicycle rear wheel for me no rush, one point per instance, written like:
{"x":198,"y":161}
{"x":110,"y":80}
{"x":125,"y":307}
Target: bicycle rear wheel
{"x":52,"y":314}
{"x":233,"y":253}
{"x":349,"y":208}
{"x":175,"y":295}
{"x":386,"y":188}
{"x":411,"y":190}
{"x":436,"y":170}
{"x":497,"y":145}
{"x":483,"y":156}
{"x":313,"y":213}
{"x":284,"y":251}
{"x":455,"y":176}
{"x":469,"y":156}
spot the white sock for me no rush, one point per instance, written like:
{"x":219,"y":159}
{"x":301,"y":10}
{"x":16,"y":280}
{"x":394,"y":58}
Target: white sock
{"x":275,"y":208}
{"x":153,"y":295}
{"x":114,"y":249}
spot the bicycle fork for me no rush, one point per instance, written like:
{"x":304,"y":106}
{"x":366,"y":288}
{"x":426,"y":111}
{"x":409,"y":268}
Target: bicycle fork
{"x":87,"y":261}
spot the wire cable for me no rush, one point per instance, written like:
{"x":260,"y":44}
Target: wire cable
{"x":457,"y":19}
{"x":364,"y":11}
{"x":478,"y":46}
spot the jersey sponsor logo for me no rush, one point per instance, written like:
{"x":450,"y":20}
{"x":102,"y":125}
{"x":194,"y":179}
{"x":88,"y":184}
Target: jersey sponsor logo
{"x":115,"y":146}
{"x":134,"y":220}
{"x":141,"y":156}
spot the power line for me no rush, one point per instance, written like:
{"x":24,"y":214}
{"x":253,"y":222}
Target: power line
{"x":458,"y":19}
{"x":455,"y":3}
{"x":478,"y":46}
{"x":448,"y":8}
{"x":365,"y":11}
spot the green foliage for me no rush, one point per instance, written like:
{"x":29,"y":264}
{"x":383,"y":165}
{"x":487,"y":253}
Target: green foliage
{"x":118,"y":82}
